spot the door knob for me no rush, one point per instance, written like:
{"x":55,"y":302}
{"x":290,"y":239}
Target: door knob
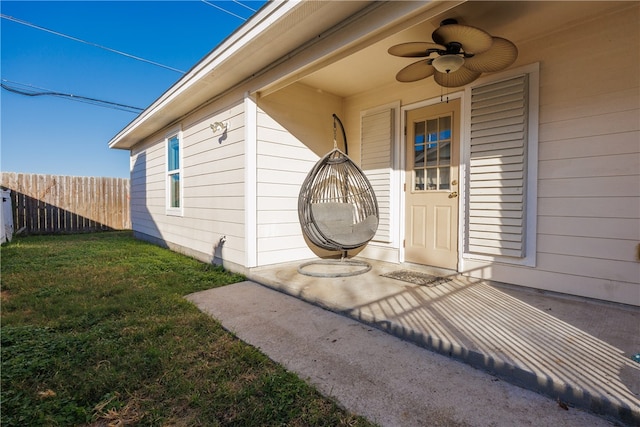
{"x":453,"y":195}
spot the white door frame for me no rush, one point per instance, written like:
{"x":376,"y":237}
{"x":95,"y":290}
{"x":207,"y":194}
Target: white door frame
{"x":461,"y":171}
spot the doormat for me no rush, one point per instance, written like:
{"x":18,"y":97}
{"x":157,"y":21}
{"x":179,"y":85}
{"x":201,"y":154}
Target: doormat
{"x":416,"y":278}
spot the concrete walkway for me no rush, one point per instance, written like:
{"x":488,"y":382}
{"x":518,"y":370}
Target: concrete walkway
{"x":571,"y":349}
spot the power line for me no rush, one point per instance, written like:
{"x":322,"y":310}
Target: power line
{"x":79,"y":98}
{"x":224,"y":10}
{"x":244,"y":5}
{"x":29,"y":24}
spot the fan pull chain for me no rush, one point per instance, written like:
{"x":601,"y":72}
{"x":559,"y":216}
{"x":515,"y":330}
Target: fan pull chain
{"x":447,"y":87}
{"x":441,"y":88}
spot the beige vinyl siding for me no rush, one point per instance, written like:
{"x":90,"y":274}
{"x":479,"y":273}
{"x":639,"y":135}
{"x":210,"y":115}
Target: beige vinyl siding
{"x":147,"y":187}
{"x":294,"y":128}
{"x":588,"y":167}
{"x":376,"y":156}
{"x":589,"y":163}
{"x":213,"y":190}
{"x":589,"y":159}
{"x":282,"y":164}
{"x":214,"y":186}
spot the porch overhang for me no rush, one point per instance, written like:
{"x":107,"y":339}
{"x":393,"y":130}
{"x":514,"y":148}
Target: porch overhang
{"x":337,"y":47}
{"x":282,"y":43}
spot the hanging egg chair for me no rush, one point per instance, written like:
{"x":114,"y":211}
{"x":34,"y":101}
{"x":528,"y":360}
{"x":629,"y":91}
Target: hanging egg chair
{"x":337,"y":209}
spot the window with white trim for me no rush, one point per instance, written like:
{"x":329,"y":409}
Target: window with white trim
{"x":501,"y":165}
{"x":174,"y":173}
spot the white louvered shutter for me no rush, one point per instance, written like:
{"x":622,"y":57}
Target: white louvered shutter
{"x":377,"y":134}
{"x":496,"y":222}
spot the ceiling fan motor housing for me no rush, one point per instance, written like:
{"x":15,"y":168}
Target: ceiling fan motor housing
{"x":448,"y":21}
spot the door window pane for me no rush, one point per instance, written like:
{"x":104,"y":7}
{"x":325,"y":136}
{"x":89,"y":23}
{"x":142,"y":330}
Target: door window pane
{"x":419,"y":132}
{"x":418,"y":179}
{"x":432,"y":130}
{"x":432,"y":154}
{"x":445,"y":127}
{"x":432,"y":179}
{"x":418,"y":145}
{"x":444,"y":178}
{"x":445,"y":153}
{"x":418,"y":158}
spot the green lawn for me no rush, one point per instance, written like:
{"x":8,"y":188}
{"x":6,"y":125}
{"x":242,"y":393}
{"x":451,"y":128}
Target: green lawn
{"x":95,"y":331}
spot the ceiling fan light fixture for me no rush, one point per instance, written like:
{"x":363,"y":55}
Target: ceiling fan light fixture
{"x":462,"y":54}
{"x":448,"y":63}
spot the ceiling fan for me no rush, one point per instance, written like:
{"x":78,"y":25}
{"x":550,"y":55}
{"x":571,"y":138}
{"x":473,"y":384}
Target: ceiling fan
{"x":462,"y":54}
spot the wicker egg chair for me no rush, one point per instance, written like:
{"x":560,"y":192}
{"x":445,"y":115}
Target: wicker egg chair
{"x":338,"y":210}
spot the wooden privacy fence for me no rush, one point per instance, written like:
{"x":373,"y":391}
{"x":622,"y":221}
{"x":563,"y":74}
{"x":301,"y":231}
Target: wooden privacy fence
{"x":49,"y":204}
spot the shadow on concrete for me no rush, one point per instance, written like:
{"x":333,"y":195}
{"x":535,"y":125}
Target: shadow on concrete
{"x":575,"y":350}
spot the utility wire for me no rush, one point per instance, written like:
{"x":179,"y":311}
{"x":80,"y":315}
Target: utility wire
{"x":224,"y":10}
{"x":244,"y":5}
{"x":79,"y":98}
{"x":29,"y":24}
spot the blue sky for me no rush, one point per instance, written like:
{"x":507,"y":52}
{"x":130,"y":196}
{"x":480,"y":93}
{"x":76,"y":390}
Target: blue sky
{"x":55,"y":135}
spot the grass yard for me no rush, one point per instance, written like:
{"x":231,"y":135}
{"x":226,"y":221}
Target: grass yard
{"x":95,"y":331}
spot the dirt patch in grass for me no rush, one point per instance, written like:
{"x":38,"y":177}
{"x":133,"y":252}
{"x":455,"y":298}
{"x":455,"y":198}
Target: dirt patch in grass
{"x":115,"y":415}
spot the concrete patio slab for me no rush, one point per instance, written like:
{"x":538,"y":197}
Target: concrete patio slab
{"x":567,"y":348}
{"x":371,"y":373}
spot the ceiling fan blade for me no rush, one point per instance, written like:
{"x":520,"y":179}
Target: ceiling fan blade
{"x":472,"y":39}
{"x":457,"y":78}
{"x":413,"y":49}
{"x":501,"y":54}
{"x":416,"y":71}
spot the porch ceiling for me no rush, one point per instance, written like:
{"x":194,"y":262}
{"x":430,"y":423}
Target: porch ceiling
{"x":518,"y":21}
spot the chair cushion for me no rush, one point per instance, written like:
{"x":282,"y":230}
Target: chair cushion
{"x":336,"y":222}
{"x":333,"y":218}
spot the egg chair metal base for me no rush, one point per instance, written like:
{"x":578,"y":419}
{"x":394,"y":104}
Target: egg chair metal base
{"x":337,"y":268}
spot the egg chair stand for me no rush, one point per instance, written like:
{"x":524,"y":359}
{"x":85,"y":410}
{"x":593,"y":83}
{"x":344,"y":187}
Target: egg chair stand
{"x":338,"y":211}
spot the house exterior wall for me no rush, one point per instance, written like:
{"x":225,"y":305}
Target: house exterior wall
{"x":212,"y":226}
{"x":589,"y":162}
{"x":589,"y":159}
{"x":245,"y":186}
{"x":294,"y":129}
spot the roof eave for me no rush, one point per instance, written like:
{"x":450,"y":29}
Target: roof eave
{"x":212,"y":75}
{"x":143,"y":124}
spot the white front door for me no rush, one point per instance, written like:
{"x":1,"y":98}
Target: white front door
{"x":431,"y":232}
